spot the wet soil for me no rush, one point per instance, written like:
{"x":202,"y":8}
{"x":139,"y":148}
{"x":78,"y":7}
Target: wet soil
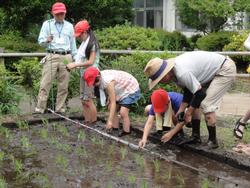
{"x":61,"y":154}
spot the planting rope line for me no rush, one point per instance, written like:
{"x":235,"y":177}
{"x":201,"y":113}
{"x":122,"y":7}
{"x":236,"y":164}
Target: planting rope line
{"x":136,"y":147}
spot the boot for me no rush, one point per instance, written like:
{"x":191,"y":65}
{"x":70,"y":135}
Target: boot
{"x":212,"y":141}
{"x":196,"y":131}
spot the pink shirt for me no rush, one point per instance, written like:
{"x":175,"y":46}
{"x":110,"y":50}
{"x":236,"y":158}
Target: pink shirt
{"x":125,"y":83}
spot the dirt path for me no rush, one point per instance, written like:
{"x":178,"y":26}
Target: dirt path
{"x":235,"y":104}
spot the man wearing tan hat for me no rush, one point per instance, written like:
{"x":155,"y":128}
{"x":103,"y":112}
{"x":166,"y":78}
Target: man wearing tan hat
{"x":204,"y":76}
{"x":57,"y":36}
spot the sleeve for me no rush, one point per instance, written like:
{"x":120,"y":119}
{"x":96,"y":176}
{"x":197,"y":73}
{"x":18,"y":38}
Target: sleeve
{"x":247,"y":42}
{"x":73,"y":45}
{"x":44,"y":33}
{"x":151,"y":111}
{"x":189,"y":81}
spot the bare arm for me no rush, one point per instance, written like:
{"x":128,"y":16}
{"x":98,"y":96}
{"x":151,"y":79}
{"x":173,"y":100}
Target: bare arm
{"x":85,"y":64}
{"x":146,"y":131}
{"x":166,"y":137}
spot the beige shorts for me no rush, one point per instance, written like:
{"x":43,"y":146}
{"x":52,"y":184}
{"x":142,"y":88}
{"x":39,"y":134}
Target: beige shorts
{"x":219,"y":86}
{"x":86,"y":92}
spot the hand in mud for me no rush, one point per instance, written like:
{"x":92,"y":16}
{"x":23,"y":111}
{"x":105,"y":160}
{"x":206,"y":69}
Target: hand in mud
{"x":166,"y":137}
{"x":142,"y":143}
{"x":109,"y":126}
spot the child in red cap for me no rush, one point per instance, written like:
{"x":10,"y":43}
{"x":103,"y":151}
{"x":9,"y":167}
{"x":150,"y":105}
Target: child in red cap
{"x":122,"y":90}
{"x":88,"y":55}
{"x":164,"y":107}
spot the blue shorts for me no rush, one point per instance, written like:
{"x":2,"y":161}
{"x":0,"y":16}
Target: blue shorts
{"x":130,"y":99}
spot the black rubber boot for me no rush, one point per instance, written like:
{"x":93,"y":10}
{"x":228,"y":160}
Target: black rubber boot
{"x":212,"y":141}
{"x":196,"y":131}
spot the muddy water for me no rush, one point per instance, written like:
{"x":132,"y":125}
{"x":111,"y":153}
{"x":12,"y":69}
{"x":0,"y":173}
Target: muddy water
{"x":63,"y":155}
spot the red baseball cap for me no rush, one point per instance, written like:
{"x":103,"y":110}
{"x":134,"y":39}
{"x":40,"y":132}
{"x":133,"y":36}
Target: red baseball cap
{"x":81,"y":27}
{"x":58,"y":7}
{"x":90,"y":75}
{"x":160,"y":100}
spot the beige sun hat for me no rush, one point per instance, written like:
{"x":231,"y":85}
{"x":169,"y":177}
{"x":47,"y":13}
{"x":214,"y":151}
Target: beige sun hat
{"x":156,"y":69}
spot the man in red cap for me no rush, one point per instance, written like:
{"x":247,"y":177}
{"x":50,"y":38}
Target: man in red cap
{"x":57,"y":36}
{"x":122,"y":90}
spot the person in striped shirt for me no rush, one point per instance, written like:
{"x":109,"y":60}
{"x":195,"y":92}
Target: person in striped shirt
{"x":123,"y":91}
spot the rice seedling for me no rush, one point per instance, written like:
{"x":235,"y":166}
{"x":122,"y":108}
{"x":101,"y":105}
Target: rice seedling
{"x":109,"y":165}
{"x":65,"y":147}
{"x":205,"y":183}
{"x":139,"y":160}
{"x":2,"y":154}
{"x":45,"y":122}
{"x":123,"y":152}
{"x":43,"y":180}
{"x":94,"y":140}
{"x":25,"y":142}
{"x":43,"y":133}
{"x":119,"y":173}
{"x":3,"y":183}
{"x":100,"y":143}
{"x":23,"y":125}
{"x":81,"y":136}
{"x":62,"y":161}
{"x":64,"y":131}
{"x":156,"y":165}
{"x":144,"y":184}
{"x":109,"y":185}
{"x":81,"y":152}
{"x":180,"y":180}
{"x":8,"y":135}
{"x":18,"y":166}
{"x":131,"y":178}
{"x":168,"y":174}
{"x":111,"y":149}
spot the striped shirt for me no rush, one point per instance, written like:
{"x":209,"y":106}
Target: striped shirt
{"x":125,"y":83}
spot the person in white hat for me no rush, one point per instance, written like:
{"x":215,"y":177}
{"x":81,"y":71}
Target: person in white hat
{"x":204,"y":76}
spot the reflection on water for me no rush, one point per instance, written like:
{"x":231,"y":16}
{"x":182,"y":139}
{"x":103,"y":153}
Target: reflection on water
{"x":62,"y":155}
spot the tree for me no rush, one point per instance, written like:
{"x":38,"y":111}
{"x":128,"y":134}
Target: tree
{"x":24,"y":15}
{"x":209,"y":15}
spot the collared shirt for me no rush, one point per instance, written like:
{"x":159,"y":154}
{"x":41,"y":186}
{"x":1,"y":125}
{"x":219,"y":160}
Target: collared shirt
{"x":63,"y":36}
{"x":125,"y":83}
{"x":193,"y":69}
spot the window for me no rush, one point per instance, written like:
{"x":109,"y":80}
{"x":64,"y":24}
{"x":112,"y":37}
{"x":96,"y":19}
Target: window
{"x":149,"y":13}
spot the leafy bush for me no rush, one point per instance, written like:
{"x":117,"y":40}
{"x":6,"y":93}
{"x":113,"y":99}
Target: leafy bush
{"x":9,"y":96}
{"x":128,"y":37}
{"x":135,"y":64}
{"x":214,"y":41}
{"x":236,"y":44}
{"x":30,"y":72}
{"x":13,"y":42}
{"x":173,"y":41}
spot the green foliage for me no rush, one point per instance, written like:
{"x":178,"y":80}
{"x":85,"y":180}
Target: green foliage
{"x":128,"y":37}
{"x":236,"y":44}
{"x":214,"y":41}
{"x":173,"y":41}
{"x":24,"y":15}
{"x":30,"y":72}
{"x":13,"y":42}
{"x":9,"y":95}
{"x":208,"y":15}
{"x":135,"y":64}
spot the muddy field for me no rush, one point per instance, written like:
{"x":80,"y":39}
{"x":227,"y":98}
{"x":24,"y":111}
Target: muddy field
{"x":62,"y":154}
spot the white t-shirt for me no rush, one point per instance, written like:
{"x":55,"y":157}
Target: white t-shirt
{"x":125,"y":83}
{"x":193,"y":69}
{"x":247,"y":43}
